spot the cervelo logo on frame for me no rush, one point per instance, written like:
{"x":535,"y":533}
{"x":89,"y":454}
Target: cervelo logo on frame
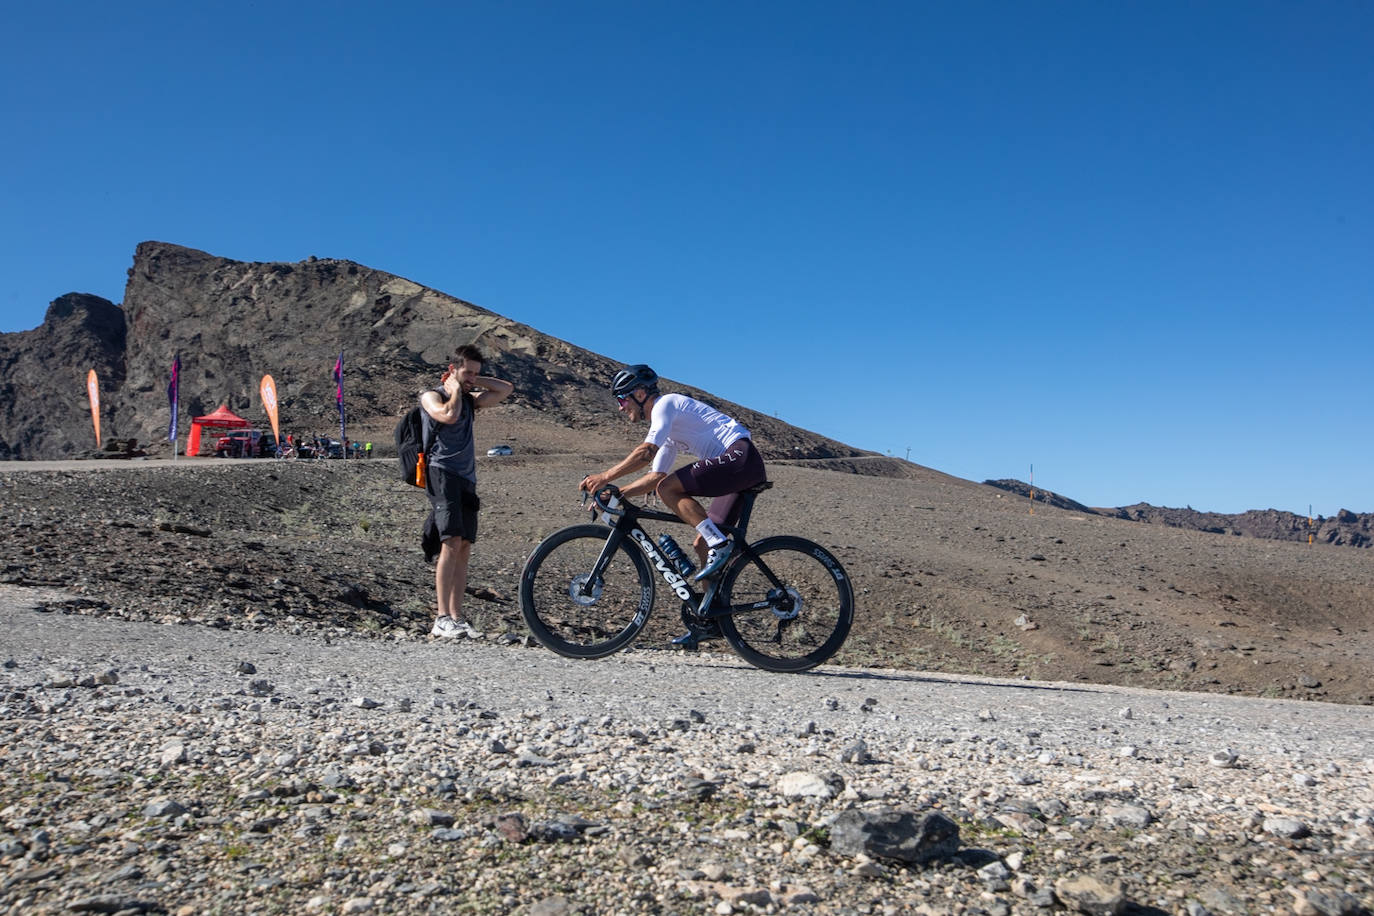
{"x":670,"y":574}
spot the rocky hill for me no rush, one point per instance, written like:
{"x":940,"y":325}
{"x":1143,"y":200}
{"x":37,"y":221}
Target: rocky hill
{"x":234,"y":321}
{"x":1345,"y":529}
{"x":1040,"y":495}
{"x":43,"y":407}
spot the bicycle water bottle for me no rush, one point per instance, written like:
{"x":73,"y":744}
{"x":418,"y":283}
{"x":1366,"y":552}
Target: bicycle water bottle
{"x":675,"y":555}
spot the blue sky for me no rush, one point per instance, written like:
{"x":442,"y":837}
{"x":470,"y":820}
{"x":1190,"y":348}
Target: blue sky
{"x":1131,"y":244}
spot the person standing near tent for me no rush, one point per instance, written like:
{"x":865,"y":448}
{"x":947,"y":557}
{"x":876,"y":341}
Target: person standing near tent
{"x":451,"y":479}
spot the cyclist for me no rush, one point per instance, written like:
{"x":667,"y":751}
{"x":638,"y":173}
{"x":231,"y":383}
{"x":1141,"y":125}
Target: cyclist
{"x":727,"y":464}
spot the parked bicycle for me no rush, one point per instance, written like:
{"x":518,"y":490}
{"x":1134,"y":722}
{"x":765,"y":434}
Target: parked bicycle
{"x":783,"y":603}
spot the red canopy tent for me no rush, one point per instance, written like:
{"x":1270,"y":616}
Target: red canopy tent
{"x":220,"y":418}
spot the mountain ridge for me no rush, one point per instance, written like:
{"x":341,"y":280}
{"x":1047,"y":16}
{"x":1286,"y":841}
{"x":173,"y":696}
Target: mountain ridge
{"x":234,"y":321}
{"x":1345,"y":529}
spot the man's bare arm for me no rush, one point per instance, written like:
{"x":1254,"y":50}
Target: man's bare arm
{"x":440,"y":410}
{"x":490,"y":391}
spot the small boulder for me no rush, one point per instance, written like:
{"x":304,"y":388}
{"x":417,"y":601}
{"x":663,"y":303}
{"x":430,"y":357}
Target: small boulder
{"x":1085,"y":894}
{"x":892,"y":833}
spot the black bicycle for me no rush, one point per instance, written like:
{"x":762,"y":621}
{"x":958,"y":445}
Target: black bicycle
{"x":783,"y":603}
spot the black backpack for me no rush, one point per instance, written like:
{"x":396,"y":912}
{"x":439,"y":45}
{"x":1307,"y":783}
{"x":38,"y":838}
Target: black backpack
{"x":411,"y":443}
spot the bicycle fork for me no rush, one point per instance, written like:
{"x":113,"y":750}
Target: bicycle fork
{"x":608,"y":549}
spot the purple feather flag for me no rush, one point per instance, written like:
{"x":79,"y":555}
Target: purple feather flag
{"x":173,"y":396}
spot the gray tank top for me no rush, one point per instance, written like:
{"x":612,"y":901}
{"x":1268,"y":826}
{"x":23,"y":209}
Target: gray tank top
{"x":451,"y":446}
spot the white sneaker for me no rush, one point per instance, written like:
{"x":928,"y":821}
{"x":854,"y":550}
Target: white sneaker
{"x":466,"y":629}
{"x":446,"y":627}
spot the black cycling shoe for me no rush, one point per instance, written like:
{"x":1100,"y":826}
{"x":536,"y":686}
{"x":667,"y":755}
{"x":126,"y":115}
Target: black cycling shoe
{"x":696,"y":635}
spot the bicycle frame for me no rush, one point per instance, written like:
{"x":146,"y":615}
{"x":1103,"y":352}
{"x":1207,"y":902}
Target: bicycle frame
{"x":628,"y":526}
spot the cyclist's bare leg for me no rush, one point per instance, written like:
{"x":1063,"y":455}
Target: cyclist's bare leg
{"x":687,"y":508}
{"x":703,"y":550}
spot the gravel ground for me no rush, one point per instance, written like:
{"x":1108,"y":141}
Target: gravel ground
{"x":949,"y":576}
{"x":181,"y":768}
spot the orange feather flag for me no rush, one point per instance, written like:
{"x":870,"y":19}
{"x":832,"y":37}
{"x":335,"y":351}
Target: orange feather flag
{"x":93,"y":389}
{"x":268,"y":390}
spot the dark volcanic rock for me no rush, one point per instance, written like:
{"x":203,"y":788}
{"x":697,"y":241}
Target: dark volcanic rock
{"x":891,"y":833}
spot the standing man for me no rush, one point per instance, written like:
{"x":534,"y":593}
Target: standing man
{"x":451,"y":478}
{"x":728,"y":463}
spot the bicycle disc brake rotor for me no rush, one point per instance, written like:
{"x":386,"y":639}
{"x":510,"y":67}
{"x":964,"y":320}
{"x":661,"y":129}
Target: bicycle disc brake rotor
{"x":578,"y":595}
{"x":783,"y":612}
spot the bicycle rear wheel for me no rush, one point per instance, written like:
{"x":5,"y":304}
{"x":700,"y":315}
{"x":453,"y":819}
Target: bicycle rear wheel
{"x":805,"y":622}
{"x":575,"y":614}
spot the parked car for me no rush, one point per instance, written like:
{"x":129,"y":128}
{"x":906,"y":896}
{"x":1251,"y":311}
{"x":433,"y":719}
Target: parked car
{"x":496,"y":450}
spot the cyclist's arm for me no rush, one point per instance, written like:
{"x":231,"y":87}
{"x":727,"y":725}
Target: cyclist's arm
{"x":641,"y":457}
{"x":646,"y":484}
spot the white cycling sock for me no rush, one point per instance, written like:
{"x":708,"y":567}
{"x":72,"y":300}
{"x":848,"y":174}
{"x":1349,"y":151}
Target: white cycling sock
{"x":708,"y":530}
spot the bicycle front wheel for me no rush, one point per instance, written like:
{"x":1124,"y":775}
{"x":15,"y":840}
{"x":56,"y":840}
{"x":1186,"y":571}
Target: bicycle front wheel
{"x":579,"y":609}
{"x":800,"y":615}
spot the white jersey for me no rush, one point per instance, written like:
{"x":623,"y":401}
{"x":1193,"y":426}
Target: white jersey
{"x":679,"y":422}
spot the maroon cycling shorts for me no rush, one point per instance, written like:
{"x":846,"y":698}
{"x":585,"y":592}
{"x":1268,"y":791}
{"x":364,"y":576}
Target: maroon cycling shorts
{"x":738,"y":468}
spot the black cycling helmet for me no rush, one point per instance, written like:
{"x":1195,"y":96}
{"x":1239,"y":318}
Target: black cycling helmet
{"x":632,"y":377}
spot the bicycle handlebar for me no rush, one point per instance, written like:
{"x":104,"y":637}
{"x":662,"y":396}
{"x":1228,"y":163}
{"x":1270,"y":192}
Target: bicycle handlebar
{"x":606,"y":500}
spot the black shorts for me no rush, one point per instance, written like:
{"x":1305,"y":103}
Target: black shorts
{"x":455,"y":504}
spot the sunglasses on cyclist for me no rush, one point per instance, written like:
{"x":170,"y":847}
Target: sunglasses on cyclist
{"x":622,"y":398}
